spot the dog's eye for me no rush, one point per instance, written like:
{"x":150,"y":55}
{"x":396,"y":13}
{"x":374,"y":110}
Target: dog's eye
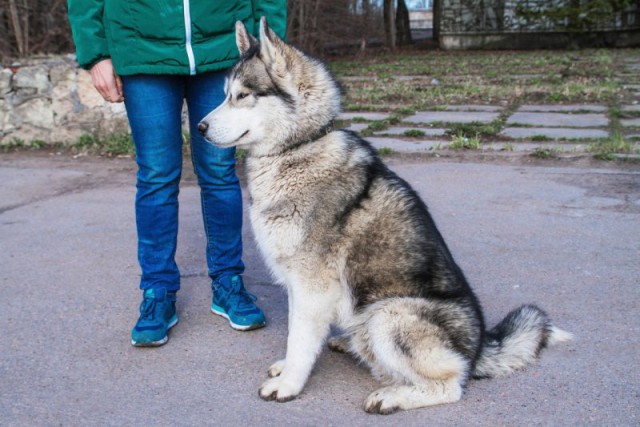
{"x":241,"y":96}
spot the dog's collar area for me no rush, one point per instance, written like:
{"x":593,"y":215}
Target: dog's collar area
{"x":323,"y":131}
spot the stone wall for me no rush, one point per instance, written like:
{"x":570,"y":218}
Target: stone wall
{"x":51,"y":100}
{"x":501,"y":24}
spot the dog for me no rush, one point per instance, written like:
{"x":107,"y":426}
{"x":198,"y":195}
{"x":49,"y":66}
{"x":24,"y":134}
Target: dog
{"x":353,"y":243}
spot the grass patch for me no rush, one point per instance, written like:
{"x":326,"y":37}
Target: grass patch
{"x":475,"y":129}
{"x":406,"y":111}
{"x":241,"y":153}
{"x":585,"y":76}
{"x":20,"y":144}
{"x":608,"y":148}
{"x":540,"y":138}
{"x":544,"y":153}
{"x":509,"y":147}
{"x":414,"y":133}
{"x":378,"y":125}
{"x":462,"y":142}
{"x":359,"y":119}
{"x":385,"y":151}
{"x":112,"y":145}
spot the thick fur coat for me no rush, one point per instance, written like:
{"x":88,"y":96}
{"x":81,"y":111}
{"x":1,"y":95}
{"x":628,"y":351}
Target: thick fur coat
{"x":354,"y":245}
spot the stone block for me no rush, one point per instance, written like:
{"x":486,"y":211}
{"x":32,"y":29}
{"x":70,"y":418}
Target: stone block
{"x":471,"y":107}
{"x":5,"y":81}
{"x":401,"y":146}
{"x":8,"y":120}
{"x":32,"y":80}
{"x":555,"y":133}
{"x":364,"y":114}
{"x":551,"y":108}
{"x":36,"y":112}
{"x":452,"y":117}
{"x":630,"y":122}
{"x":401,"y":130}
{"x":559,"y":119}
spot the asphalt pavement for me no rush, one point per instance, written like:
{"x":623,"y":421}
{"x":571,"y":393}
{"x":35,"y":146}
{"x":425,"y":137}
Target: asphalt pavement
{"x":565,"y":236}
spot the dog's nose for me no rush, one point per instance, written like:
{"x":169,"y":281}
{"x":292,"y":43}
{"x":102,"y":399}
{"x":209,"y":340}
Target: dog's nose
{"x":202,"y":127}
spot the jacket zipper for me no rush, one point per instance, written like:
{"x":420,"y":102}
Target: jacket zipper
{"x":187,"y":30}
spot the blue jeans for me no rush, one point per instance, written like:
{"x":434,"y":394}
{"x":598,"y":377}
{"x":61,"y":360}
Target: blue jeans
{"x":154,"y":108}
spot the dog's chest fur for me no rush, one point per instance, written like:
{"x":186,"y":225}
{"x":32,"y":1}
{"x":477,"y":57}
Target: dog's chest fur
{"x":289,"y":203}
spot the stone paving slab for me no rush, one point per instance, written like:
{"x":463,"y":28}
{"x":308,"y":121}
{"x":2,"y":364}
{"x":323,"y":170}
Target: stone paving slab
{"x":563,"y":133}
{"x":402,"y":146}
{"x":533,"y":146}
{"x":559,"y":119}
{"x":367,"y":115}
{"x":551,"y":108}
{"x":358,"y":127}
{"x":451,"y":116}
{"x":630,"y":122}
{"x":402,"y":130}
{"x":471,"y":107}
{"x":635,"y":107}
{"x":632,"y":87}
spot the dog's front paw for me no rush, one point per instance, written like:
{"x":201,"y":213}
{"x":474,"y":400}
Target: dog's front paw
{"x":383,"y":401}
{"x":276,"y":369}
{"x":279,"y":389}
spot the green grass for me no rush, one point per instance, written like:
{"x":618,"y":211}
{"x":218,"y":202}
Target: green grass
{"x":544,"y":153}
{"x":385,"y":151}
{"x":540,"y":138}
{"x":608,"y":148}
{"x":462,"y":142}
{"x":112,"y":145}
{"x":488,"y":77}
{"x":475,"y":129}
{"x":414,"y":133}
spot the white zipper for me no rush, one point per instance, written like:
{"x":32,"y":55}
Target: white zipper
{"x":187,"y":32}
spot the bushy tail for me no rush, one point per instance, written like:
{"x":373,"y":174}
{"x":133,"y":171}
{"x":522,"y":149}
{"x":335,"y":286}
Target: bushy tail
{"x":517,"y":341}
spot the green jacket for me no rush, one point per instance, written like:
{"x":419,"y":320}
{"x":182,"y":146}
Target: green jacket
{"x":166,"y":36}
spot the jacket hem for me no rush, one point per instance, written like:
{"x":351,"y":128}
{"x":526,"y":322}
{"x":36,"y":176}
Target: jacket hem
{"x":130,"y":70}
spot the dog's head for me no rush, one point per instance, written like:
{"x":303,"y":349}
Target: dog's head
{"x":276,"y":97}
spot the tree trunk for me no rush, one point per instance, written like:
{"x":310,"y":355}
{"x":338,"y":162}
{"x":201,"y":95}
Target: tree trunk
{"x":389,"y":13}
{"x":403,"y":25}
{"x":16,"y":27}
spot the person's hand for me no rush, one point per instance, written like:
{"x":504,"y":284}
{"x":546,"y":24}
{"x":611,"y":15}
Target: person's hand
{"x":106,"y":81}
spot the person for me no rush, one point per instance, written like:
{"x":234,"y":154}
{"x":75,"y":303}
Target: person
{"x":153,"y":55}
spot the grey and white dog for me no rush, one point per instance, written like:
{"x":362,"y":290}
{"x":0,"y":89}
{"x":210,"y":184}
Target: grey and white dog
{"x":353,"y":244}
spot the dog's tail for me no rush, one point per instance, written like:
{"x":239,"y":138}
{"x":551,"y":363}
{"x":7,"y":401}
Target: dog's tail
{"x":517,"y":341}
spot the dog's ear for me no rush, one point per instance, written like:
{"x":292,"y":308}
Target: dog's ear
{"x":244,"y":40}
{"x":272,"y":48}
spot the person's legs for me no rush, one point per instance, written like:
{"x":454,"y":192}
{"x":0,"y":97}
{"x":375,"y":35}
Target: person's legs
{"x":215,"y":168}
{"x":154,"y":105}
{"x":221,"y":200}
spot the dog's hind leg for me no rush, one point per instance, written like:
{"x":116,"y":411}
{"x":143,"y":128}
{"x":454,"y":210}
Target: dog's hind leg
{"x":312,"y":309}
{"x":411,"y":355}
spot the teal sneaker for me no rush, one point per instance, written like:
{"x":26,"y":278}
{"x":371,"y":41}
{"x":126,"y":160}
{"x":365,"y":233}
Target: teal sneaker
{"x":157,"y":316}
{"x":234,"y":303}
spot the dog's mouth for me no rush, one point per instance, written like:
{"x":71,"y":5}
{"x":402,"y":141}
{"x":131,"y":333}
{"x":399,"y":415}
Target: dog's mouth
{"x":243,"y":135}
{"x":228,"y":144}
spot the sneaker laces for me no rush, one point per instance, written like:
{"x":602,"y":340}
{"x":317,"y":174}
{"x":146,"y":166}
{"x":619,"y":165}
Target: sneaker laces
{"x":239,"y":295}
{"x":147,"y":308}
